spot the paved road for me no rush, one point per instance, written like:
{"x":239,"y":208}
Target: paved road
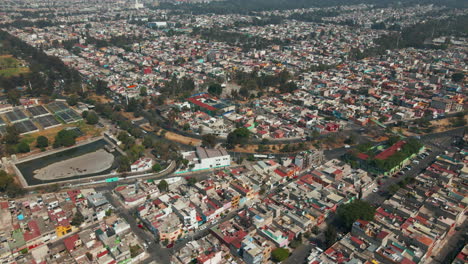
{"x":155,"y":251}
{"x":452,"y":243}
{"x":438,"y":142}
{"x":437,"y":146}
{"x":299,"y":255}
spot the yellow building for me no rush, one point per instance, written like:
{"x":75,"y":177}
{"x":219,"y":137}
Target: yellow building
{"x":63,"y":230}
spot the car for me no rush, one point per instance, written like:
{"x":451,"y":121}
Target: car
{"x":416,"y":161}
{"x":347,"y":146}
{"x":375,"y":190}
{"x":140,"y":226}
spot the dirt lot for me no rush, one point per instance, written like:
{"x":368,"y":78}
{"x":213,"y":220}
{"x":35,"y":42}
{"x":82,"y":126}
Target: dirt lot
{"x":100,"y":98}
{"x":182,"y":139}
{"x":273,"y":148}
{"x":442,"y":125}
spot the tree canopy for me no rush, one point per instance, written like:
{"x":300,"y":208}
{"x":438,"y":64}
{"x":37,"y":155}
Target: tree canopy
{"x":238,"y":136}
{"x":23,"y":147}
{"x":279,"y":254}
{"x":92,"y":118}
{"x":42,"y":142}
{"x":65,"y":137}
{"x":215,"y":89}
{"x":357,"y":209}
{"x":163,"y":186}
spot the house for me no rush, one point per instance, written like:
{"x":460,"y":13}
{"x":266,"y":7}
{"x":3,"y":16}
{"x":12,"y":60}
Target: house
{"x":142,"y":164}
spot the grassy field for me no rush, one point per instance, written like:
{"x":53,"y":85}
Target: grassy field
{"x":10,"y":66}
{"x":89,"y":131}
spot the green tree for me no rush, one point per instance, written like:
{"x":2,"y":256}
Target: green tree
{"x":163,"y":186}
{"x":191,"y":181}
{"x":100,"y":87}
{"x":209,"y":140}
{"x":42,"y":142}
{"x":156,"y":167}
{"x":147,"y":142}
{"x":315,"y":230}
{"x":458,"y":77}
{"x":78,"y":219}
{"x":124,"y":163}
{"x":215,"y":89}
{"x":135,"y":152}
{"x":65,"y":138}
{"x":72,"y":99}
{"x":393,"y":188}
{"x":330,"y":236}
{"x":11,"y":136}
{"x":357,"y":209}
{"x":92,"y":118}
{"x":279,"y":254}
{"x":5,"y":180}
{"x":238,"y":136}
{"x":143,"y":91}
{"x":23,"y":147}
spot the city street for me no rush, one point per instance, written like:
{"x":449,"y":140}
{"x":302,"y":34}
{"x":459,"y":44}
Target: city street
{"x":158,"y":253}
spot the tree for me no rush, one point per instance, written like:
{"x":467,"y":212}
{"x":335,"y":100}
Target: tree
{"x":315,"y":230}
{"x":42,"y":142}
{"x":209,"y":140}
{"x":12,"y":135}
{"x":124,"y":163}
{"x":279,"y":254}
{"x":65,"y":138}
{"x":5,"y":180}
{"x":393,"y":188}
{"x":72,"y":100}
{"x":92,"y":118}
{"x":84,"y":114}
{"x":191,"y":181}
{"x":458,"y":77}
{"x":13,"y":97}
{"x":238,"y":136}
{"x":163,"y":186}
{"x":23,"y":147}
{"x":330,"y":236}
{"x":156,"y":167}
{"x":143,"y":91}
{"x":78,"y":219}
{"x":147,"y":142}
{"x":357,"y":209}
{"x":100,"y":87}
{"x":215,"y":89}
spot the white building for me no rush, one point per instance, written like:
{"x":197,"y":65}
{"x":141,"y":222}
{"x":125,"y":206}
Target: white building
{"x":203,"y":159}
{"x":142,"y":164}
